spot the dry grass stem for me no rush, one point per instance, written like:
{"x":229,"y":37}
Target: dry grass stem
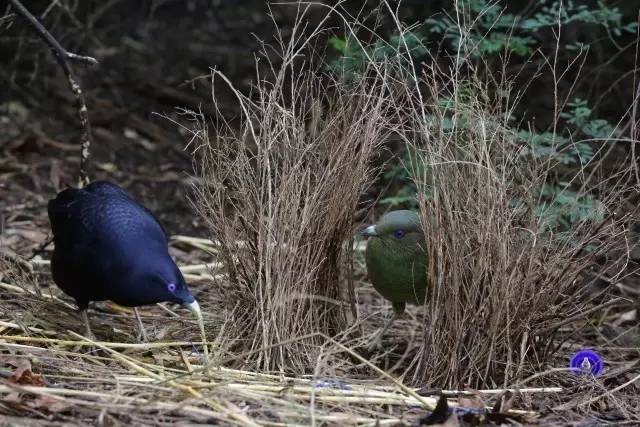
{"x":504,"y":278}
{"x":279,"y":197}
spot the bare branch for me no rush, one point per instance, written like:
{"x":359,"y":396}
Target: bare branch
{"x":62,"y":57}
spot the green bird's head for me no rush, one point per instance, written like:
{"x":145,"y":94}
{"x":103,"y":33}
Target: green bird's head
{"x":399,"y":226}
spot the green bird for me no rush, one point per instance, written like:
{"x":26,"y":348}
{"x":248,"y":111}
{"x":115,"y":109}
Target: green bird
{"x":397,"y":262}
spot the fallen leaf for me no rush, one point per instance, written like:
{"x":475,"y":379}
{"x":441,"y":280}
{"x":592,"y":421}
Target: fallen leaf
{"x":50,"y":403}
{"x":23,"y":374}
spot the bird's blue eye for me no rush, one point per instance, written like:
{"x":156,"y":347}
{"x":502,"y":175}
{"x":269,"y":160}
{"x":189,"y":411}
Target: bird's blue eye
{"x":171,"y":287}
{"x":399,"y":234}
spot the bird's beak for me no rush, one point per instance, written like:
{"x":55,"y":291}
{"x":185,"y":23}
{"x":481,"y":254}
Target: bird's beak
{"x":370,"y":231}
{"x":194,"y":308}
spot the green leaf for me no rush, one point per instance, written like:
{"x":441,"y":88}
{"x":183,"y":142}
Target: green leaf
{"x":338,"y":44}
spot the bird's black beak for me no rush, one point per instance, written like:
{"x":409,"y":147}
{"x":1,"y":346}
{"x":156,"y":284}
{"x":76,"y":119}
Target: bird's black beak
{"x":370,"y":231}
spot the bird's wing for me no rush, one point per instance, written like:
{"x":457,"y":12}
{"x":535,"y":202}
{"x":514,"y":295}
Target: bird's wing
{"x":107,"y":189}
{"x":104,"y":212}
{"x":121,"y":219}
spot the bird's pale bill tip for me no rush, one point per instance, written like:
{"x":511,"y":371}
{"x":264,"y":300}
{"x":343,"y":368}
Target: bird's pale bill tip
{"x":369,"y":231}
{"x":194,"y":308}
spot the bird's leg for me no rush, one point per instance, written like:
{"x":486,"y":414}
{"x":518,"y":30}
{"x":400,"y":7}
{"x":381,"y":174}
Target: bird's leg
{"x":376,"y":341}
{"x":398,"y":310}
{"x":87,"y":324}
{"x":142,"y":335}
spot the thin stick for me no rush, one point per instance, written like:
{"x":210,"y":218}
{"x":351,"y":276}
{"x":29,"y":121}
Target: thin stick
{"x":581,"y":315}
{"x":72,"y":343}
{"x":143,"y":332}
{"x":29,"y":328}
{"x":62,"y":57}
{"x":20,"y":290}
{"x":52,"y":391}
{"x":41,"y":247}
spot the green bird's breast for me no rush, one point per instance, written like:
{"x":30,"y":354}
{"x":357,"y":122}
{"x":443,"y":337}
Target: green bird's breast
{"x":397,"y":268}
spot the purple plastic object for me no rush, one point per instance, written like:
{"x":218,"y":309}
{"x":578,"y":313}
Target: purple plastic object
{"x":586,"y":362}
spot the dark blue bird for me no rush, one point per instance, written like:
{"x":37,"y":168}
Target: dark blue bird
{"x":109,"y":247}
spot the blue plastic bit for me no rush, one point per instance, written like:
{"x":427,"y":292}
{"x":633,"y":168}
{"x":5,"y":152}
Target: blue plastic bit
{"x":586,"y":362}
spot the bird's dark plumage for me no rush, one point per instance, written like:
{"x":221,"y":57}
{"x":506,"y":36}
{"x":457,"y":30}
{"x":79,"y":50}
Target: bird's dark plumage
{"x":109,"y":247}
